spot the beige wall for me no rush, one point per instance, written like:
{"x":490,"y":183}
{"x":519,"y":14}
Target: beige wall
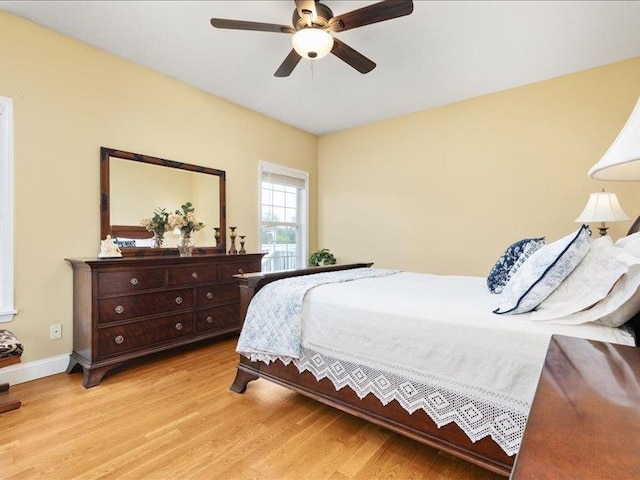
{"x":446,"y":190}
{"x":70,"y":99}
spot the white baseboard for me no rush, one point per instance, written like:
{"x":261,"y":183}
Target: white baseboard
{"x":25,"y":372}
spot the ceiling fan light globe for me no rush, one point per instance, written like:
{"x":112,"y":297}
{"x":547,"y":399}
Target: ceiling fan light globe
{"x":312,"y":43}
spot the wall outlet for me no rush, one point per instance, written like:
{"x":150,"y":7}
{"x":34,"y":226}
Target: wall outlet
{"x":55,"y":331}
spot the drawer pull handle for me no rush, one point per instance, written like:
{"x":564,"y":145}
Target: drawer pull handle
{"x":209,"y":319}
{"x":134,"y":281}
{"x":178,"y":326}
{"x":119,"y":309}
{"x":178,"y":300}
{"x":241,"y":270}
{"x":119,"y":339}
{"x":209,"y":295}
{"x":194,"y":275}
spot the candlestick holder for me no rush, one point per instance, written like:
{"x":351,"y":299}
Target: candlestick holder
{"x":216,"y":236}
{"x":232,"y":235}
{"x":242,"y":250}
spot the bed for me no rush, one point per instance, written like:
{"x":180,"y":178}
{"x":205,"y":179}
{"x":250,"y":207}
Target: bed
{"x":402,"y":349}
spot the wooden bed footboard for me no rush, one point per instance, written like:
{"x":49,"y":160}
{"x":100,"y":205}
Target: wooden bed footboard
{"x":418,"y":426}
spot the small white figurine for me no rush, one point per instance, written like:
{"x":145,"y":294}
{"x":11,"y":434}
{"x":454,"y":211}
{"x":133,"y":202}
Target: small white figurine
{"x":108,"y":248}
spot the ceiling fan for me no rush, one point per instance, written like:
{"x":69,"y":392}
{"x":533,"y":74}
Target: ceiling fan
{"x":312,"y":23}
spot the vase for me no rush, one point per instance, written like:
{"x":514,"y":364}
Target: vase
{"x":185,"y":246}
{"x":158,"y":239}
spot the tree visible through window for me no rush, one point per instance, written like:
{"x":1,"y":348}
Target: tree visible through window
{"x":283,"y":217}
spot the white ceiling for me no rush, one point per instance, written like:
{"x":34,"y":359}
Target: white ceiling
{"x":443,"y":52}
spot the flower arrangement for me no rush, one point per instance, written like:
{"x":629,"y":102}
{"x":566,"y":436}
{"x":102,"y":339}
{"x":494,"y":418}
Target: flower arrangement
{"x":158,"y":224}
{"x":185,"y":220}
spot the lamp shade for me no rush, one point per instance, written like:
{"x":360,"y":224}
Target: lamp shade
{"x":620,"y":162}
{"x":312,"y":43}
{"x":602,"y":207}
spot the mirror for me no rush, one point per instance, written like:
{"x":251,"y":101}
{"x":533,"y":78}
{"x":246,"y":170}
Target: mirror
{"x":133,"y":186}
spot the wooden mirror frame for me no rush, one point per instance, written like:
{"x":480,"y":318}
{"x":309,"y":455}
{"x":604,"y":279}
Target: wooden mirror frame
{"x":139,"y":231}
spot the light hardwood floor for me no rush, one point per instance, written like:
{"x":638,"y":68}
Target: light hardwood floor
{"x":173,"y":416}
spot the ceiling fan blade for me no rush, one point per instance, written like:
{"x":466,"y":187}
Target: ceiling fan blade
{"x":304,"y":6}
{"x":285,"y":69}
{"x":378,"y":12}
{"x":348,"y":55}
{"x":255,"y":26}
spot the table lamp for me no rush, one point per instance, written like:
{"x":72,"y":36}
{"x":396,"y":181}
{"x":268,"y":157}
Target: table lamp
{"x":620,"y":162}
{"x":602,"y":207}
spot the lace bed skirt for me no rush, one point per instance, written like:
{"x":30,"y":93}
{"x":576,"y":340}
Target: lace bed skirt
{"x":477,"y":415}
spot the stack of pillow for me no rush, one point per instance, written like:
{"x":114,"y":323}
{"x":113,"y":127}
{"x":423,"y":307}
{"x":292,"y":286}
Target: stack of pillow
{"x":133,"y":242}
{"x":125,"y":242}
{"x":571,"y":281}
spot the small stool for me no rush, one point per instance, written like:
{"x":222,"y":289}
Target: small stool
{"x":10,"y":353}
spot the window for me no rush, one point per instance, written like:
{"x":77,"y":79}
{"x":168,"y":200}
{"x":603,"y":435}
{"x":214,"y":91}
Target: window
{"x":6,"y":210}
{"x":283,"y":217}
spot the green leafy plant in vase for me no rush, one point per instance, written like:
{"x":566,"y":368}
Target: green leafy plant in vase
{"x":158,"y":224}
{"x":322,"y":257}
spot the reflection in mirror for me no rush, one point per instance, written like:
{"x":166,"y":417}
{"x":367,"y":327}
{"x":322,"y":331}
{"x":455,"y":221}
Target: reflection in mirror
{"x":134,"y":186}
{"x":161,"y":187}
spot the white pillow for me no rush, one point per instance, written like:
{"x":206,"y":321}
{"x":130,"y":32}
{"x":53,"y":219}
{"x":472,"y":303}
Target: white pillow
{"x":622,"y":303}
{"x":590,"y":282}
{"x":631,"y":243}
{"x":543,"y":272}
{"x":145,"y":242}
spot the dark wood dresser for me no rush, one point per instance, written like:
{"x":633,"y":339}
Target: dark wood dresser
{"x":585,"y":418}
{"x":124,"y":308}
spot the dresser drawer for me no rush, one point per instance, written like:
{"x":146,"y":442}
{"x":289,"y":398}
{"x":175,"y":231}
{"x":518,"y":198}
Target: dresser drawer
{"x":218,"y":318}
{"x":120,"y":338}
{"x":130,"y":281}
{"x":221,"y":292}
{"x":228,"y":270}
{"x":193,"y":275}
{"x":131,"y":306}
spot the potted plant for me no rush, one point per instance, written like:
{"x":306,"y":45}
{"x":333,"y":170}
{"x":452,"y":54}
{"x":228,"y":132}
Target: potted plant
{"x":322,"y":257}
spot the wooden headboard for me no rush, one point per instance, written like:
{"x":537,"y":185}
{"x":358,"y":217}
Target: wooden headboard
{"x":635,"y":227}
{"x":129,"y":231}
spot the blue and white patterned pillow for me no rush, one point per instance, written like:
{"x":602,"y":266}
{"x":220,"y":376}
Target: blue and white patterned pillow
{"x":510,"y":261}
{"x":124,"y":243}
{"x":543,"y":272}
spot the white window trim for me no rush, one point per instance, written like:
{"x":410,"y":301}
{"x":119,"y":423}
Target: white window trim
{"x":7,"y":309}
{"x":291,"y":172}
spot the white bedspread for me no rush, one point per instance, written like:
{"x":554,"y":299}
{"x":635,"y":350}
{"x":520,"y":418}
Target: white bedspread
{"x":441,"y":324}
{"x":432,"y":342}
{"x":273,"y":326}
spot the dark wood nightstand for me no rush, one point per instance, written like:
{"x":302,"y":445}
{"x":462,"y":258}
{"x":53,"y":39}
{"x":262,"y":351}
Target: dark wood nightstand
{"x":585,"y":418}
